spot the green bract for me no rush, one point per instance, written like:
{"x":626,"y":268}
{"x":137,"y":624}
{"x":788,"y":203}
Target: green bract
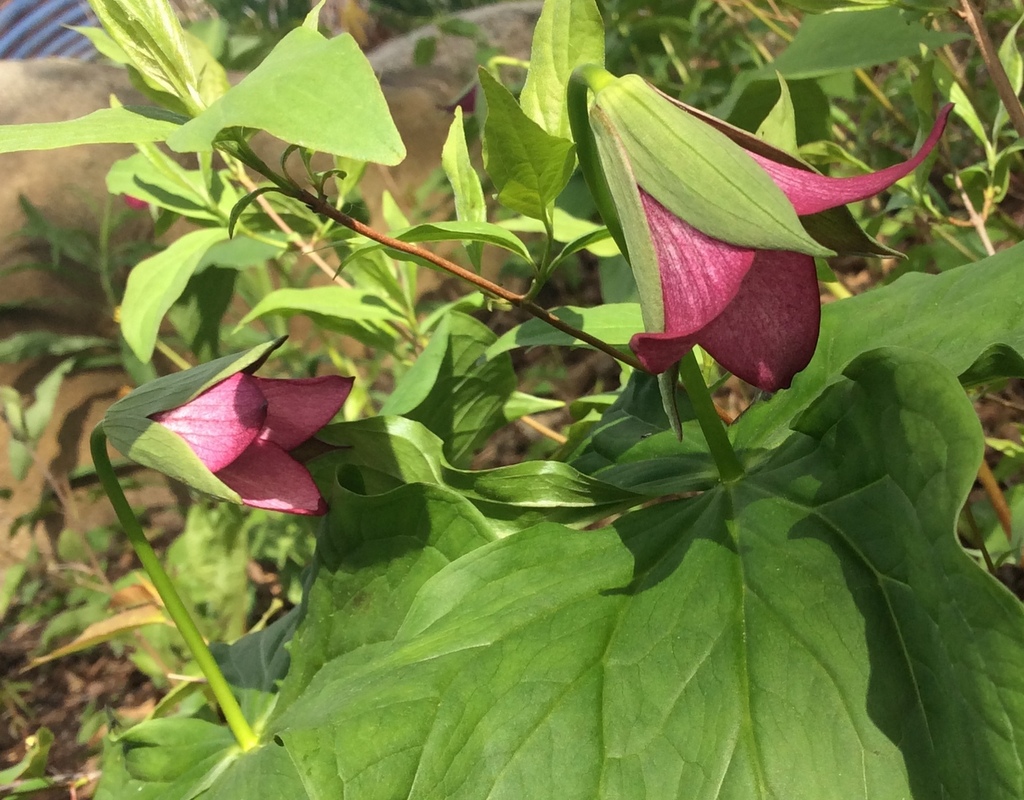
{"x":697,"y":173}
{"x":129,"y":428}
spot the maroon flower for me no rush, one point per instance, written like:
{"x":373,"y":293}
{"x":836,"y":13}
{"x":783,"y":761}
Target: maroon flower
{"x":244,"y":428}
{"x":757,"y":312}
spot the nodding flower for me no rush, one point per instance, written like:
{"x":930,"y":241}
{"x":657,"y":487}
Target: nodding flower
{"x":713,"y":219}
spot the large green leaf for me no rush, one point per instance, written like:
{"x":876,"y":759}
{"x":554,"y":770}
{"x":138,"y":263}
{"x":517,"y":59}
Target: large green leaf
{"x":311,"y":91}
{"x":529,"y":166}
{"x":373,"y":555}
{"x":812,"y":631}
{"x":454,"y":390}
{"x":129,"y":125}
{"x":155,"y":283}
{"x":568,"y":35}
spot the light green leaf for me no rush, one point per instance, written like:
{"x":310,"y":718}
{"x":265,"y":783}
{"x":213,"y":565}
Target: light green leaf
{"x":469,"y":195}
{"x":529,"y":167}
{"x":322,"y":301}
{"x":614,"y":323}
{"x":150,"y":35}
{"x":288,"y":97}
{"x":312,"y":20}
{"x":779,"y":127}
{"x":155,"y":283}
{"x":568,"y":35}
{"x":454,"y":389}
{"x":127,"y":125}
{"x":581,"y":234}
{"x":629,"y":209}
{"x":470,"y":205}
{"x":1013,"y":64}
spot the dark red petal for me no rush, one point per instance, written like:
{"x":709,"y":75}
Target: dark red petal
{"x":810,"y":192}
{"x":298,"y":408}
{"x":659,"y":351}
{"x":769,"y":332}
{"x":220,"y":423}
{"x":699,"y":275}
{"x":265,"y":476}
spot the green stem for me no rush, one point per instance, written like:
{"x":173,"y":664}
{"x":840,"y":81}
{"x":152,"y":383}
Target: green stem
{"x":729,"y":467}
{"x":591,"y":77}
{"x":172,"y":600}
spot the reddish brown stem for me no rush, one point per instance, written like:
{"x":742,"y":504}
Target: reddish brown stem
{"x":990,"y":55}
{"x":321,"y":206}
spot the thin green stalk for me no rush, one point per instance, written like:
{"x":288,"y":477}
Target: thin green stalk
{"x":172,"y":600}
{"x":584,"y":80}
{"x":729,"y":467}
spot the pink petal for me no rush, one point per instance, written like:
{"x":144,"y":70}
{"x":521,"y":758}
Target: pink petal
{"x":265,"y":476}
{"x":220,"y":423}
{"x":810,"y":192}
{"x":699,"y":275}
{"x":297,"y":408}
{"x":769,"y":332}
{"x":659,"y":351}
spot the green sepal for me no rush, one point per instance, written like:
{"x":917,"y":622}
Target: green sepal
{"x":129,"y":428}
{"x":668,"y":383}
{"x":632,"y":220}
{"x":836,"y":228}
{"x":699,"y":174}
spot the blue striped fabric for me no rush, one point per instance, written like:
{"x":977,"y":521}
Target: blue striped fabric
{"x":37,"y":29}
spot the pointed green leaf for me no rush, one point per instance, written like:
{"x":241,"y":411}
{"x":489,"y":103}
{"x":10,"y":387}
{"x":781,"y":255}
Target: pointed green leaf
{"x":325,"y":302}
{"x":622,"y":184}
{"x":529,"y":167}
{"x":568,"y":35}
{"x":470,"y":205}
{"x":150,"y":35}
{"x":126,"y":125}
{"x":288,"y":97}
{"x":779,"y":127}
{"x":155,"y":283}
{"x":614,"y":323}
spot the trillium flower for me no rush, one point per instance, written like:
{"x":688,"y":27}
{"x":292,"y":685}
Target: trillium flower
{"x":244,"y":428}
{"x":224,"y":431}
{"x":714,"y":221}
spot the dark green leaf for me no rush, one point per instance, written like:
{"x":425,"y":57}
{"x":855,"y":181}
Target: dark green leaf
{"x":454,"y":389}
